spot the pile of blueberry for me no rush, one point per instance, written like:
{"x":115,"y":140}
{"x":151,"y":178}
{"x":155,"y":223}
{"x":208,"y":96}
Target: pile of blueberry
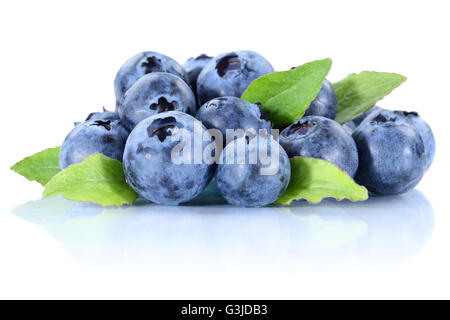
{"x":386,"y":151}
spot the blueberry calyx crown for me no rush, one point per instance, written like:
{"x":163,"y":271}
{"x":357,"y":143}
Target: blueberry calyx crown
{"x":383,"y":118}
{"x":301,"y":128}
{"x":163,"y":127}
{"x":214,"y":104}
{"x":104,"y":124}
{"x":407,"y":113}
{"x":90,"y":115}
{"x":202,"y":56}
{"x":152,"y":64}
{"x":163,"y":105}
{"x":264,"y":113}
{"x":227,"y":64}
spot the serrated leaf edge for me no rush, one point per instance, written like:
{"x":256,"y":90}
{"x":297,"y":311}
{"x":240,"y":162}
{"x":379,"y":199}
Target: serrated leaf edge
{"x":404,"y":78}
{"x":124,"y":203}
{"x":327,"y":197}
{"x":14,"y":166}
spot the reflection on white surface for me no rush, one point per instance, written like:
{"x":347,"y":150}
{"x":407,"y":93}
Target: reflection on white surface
{"x":385,"y":231}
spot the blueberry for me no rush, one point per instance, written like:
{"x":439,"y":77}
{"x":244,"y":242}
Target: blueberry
{"x":352,"y":124}
{"x":229,"y":74}
{"x":392,"y":156}
{"x":148,"y":164}
{"x":154,"y":93}
{"x":92,"y":136}
{"x":357,"y":121}
{"x":245,"y":183}
{"x":105,"y":115}
{"x":192,"y":68}
{"x":232,"y":113}
{"x":425,"y":132}
{"x":321,"y":138}
{"x":325,"y":104}
{"x":414,"y":120}
{"x":140,"y":65}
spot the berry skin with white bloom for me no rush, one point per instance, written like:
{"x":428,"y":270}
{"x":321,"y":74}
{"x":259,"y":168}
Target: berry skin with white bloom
{"x":246,"y":184}
{"x":141,"y":64}
{"x":229,"y":74}
{"x":149,"y":166}
{"x":392,"y":157}
{"x":93,"y":136}
{"x":154,"y":93}
{"x":321,"y":138}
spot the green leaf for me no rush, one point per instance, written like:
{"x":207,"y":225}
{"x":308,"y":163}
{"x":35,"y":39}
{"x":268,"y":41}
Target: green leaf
{"x":315,"y":179}
{"x":97,"y":179}
{"x":40,"y":167}
{"x":287,"y":94}
{"x":357,"y":93}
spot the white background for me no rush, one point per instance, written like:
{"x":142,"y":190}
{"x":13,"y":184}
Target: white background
{"x":58,"y":62}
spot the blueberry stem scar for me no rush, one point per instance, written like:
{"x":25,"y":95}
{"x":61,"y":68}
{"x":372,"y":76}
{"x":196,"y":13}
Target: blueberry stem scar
{"x":298,"y":128}
{"x":163,"y":105}
{"x":105,"y":124}
{"x":227,"y":64}
{"x":152,"y":64}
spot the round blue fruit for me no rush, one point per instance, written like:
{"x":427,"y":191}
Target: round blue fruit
{"x":93,"y":136}
{"x":104,"y":115}
{"x":425,"y":132}
{"x":392,"y":157}
{"x":141,"y":64}
{"x":192,"y":68}
{"x":230,"y":74}
{"x":321,"y":138}
{"x":353,"y":124}
{"x":232,"y":113}
{"x":155,"y":93}
{"x":325,"y":104}
{"x":148,"y":162}
{"x":357,"y":121}
{"x":243,"y":183}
